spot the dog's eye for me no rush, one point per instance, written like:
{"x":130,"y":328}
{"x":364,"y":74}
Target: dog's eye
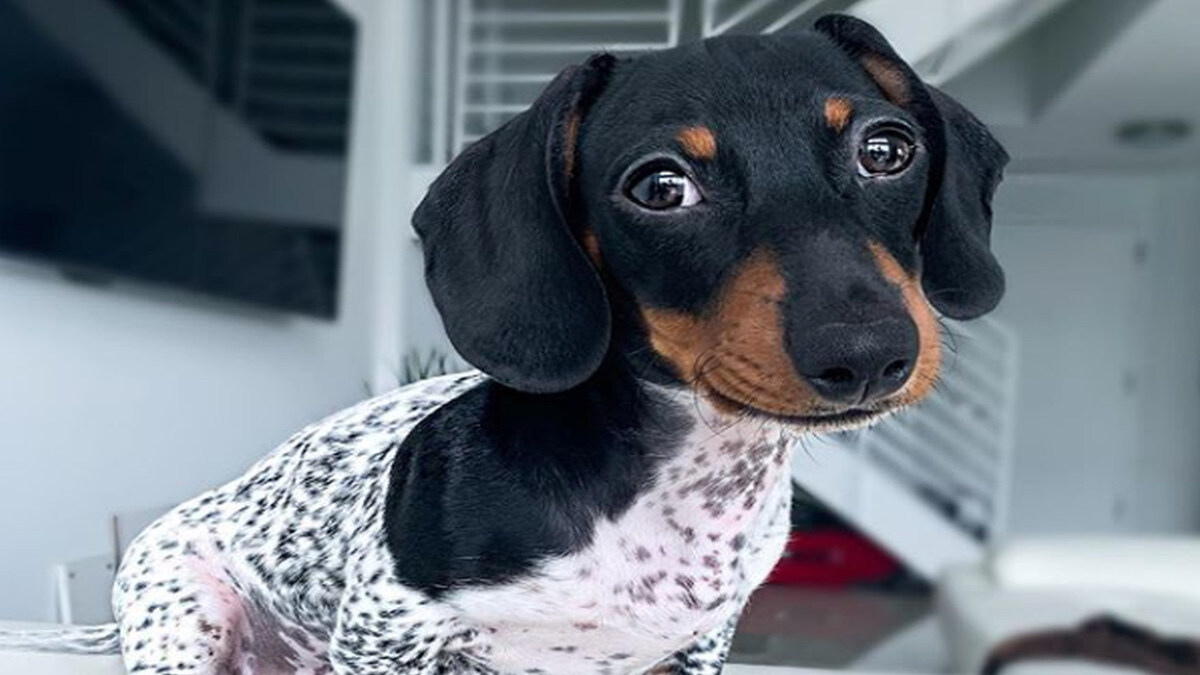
{"x":885,"y":152}
{"x":664,"y":189}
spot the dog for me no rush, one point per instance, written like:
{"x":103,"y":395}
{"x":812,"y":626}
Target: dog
{"x":666,"y":270}
{"x":1104,"y":639}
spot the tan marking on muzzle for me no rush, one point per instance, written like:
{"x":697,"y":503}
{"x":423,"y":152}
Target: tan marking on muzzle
{"x":735,"y":351}
{"x":838,"y":112}
{"x":698,"y":142}
{"x":929,"y":343}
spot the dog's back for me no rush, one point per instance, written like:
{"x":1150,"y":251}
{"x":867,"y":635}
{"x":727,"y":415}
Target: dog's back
{"x":270,"y":546}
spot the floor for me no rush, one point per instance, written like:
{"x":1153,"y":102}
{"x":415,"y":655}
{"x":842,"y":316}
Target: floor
{"x":785,"y":631}
{"x":860,"y":630}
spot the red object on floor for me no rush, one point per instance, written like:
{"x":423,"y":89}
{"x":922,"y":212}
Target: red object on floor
{"x":832,"y":558}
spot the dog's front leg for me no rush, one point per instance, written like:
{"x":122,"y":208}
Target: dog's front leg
{"x":387,"y":628}
{"x":705,"y":656}
{"x":397,"y":632}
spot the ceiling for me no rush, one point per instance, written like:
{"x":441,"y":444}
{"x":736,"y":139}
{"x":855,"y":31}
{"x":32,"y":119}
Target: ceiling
{"x":1138,"y":61}
{"x":1054,"y":78}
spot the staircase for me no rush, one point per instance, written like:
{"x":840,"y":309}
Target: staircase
{"x":283,"y":66}
{"x":251,"y":96}
{"x":488,"y":60}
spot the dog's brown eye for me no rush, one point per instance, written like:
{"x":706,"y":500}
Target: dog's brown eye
{"x":885,"y":152}
{"x":664,"y":189}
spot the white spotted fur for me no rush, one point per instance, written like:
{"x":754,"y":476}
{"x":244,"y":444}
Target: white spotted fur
{"x":290,"y":561}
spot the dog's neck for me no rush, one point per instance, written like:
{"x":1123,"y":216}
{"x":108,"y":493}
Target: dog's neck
{"x":630,"y":408}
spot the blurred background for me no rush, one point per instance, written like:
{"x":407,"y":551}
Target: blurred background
{"x":204,"y":246}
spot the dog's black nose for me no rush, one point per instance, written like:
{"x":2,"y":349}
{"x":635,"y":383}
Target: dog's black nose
{"x":858,"y":363}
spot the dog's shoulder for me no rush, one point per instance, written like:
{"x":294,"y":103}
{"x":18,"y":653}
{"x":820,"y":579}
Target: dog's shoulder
{"x":388,"y":417}
{"x":406,"y":405}
{"x":496,"y":480}
{"x":342,"y":460}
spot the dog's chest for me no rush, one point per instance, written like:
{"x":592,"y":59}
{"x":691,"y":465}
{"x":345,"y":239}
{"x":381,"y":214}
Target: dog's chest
{"x":677,"y":565}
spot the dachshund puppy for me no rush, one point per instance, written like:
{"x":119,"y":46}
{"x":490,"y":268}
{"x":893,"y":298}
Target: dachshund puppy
{"x":666,"y":269}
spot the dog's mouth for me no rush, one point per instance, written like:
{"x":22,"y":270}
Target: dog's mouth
{"x":815,"y":420}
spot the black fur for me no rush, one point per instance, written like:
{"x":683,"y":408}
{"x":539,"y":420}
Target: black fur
{"x":961,"y":276}
{"x":498,"y":479}
{"x":516,"y":294}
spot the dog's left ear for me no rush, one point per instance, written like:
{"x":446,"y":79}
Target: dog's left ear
{"x":519,"y":298}
{"x":960,"y":276}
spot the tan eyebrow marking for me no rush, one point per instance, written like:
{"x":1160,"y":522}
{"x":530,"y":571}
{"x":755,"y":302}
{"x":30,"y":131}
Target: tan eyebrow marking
{"x":591,"y":244}
{"x":837,"y":112}
{"x":570,"y":138}
{"x":698,"y":141}
{"x":889,"y":77}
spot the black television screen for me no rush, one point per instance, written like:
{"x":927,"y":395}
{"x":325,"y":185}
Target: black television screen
{"x":183,"y":142}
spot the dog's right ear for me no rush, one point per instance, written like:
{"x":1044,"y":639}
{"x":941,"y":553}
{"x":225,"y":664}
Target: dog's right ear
{"x":519,"y":298}
{"x":960,"y":275}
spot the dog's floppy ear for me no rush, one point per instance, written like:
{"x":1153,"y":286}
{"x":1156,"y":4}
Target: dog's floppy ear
{"x":518,"y":297}
{"x":961,"y":277}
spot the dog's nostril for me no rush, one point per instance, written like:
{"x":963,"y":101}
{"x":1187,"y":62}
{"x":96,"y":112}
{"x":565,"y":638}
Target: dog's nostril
{"x":837,"y":375}
{"x":896,"y":369}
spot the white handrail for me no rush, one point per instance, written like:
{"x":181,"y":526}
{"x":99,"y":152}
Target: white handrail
{"x":509,"y":78}
{"x":502,"y":17}
{"x":742,"y":14}
{"x":440,"y":109}
{"x":790,"y":16}
{"x":566,"y":47}
{"x":919,"y":447}
{"x":674,"y":19}
{"x":480,"y":108}
{"x":462,"y":55}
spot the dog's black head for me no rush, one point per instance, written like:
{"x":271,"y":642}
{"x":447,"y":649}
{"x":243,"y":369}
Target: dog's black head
{"x":767,"y":219}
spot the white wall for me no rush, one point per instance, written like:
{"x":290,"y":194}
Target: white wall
{"x":1169,"y":457}
{"x":1110,"y":351}
{"x":121,"y":399}
{"x":1067,"y":246}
